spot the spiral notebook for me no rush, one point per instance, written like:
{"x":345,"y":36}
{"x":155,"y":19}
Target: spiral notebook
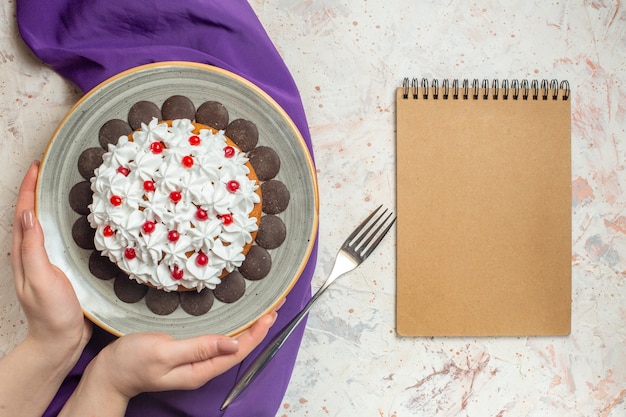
{"x":484,"y":208}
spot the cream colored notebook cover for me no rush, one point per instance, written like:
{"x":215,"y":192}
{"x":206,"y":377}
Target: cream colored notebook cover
{"x":484,"y":208}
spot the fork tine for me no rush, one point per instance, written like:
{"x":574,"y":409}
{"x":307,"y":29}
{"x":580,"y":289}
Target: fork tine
{"x":373,"y":246}
{"x":360,"y":227}
{"x":367,"y":233}
{"x":364,"y":231}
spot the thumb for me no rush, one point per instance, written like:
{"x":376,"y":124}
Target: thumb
{"x":202,"y":348}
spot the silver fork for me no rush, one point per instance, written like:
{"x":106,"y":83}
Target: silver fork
{"x":357,"y":247}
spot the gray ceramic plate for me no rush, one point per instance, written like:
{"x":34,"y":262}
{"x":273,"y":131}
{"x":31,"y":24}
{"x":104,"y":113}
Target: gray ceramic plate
{"x":156,"y":82}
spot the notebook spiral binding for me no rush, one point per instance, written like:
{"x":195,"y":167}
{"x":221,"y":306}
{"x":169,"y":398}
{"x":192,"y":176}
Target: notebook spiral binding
{"x":485,"y":90}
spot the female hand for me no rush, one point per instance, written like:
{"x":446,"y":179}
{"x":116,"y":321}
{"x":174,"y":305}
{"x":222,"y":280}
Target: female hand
{"x":146,"y":362}
{"x":57,"y":331}
{"x":55,"y":319}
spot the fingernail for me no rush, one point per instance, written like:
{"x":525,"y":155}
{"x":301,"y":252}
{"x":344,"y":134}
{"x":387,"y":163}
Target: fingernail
{"x":226,"y":346}
{"x":274,"y":317}
{"x":28,"y":219}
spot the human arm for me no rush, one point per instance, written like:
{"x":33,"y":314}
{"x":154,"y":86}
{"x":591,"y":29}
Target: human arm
{"x":148,"y":362}
{"x":57,"y":330}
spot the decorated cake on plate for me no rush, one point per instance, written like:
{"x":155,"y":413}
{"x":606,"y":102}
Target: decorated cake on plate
{"x":179,"y":205}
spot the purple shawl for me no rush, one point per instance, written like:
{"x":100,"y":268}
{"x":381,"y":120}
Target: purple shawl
{"x":88,"y":41}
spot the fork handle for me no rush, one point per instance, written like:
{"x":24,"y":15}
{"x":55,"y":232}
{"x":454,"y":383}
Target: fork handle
{"x":272,"y":348}
{"x":270,"y":351}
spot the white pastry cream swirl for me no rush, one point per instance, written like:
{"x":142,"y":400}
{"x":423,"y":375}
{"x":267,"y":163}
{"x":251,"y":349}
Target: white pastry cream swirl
{"x":172,"y":207}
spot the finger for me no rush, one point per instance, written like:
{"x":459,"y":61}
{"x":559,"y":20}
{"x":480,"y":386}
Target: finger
{"x":252,"y":337}
{"x":26,"y":196}
{"x":25,"y":201}
{"x":201,"y":348}
{"x":199,"y":372}
{"x":248,"y":341}
{"x":35,"y":262}
{"x":281,"y":303}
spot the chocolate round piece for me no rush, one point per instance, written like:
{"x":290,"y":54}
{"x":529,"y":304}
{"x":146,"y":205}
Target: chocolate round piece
{"x":111,"y":131}
{"x":244,"y":133}
{"x":257,"y":264}
{"x":265,"y":161}
{"x":231,"y":289}
{"x":128,"y":290}
{"x":197,"y":303}
{"x":162,"y":302}
{"x":89,"y":160}
{"x":214,"y":114}
{"x":83,"y":234}
{"x":143,"y":112}
{"x":178,"y":107}
{"x":272,"y":232}
{"x":101,"y":267}
{"x":275,"y":197}
{"x":80,"y":197}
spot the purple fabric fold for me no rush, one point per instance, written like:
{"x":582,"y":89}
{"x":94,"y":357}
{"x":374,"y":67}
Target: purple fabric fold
{"x":88,"y":41}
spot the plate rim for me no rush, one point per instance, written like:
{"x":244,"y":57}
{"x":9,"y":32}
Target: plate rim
{"x":248,"y":84}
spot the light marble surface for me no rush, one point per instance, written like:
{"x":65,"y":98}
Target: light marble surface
{"x":347,"y":59}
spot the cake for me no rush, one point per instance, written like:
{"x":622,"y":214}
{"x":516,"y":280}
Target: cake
{"x":263,"y":162}
{"x":176,"y":205}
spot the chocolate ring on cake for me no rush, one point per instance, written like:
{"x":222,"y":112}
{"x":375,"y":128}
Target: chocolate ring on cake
{"x":128,"y":290}
{"x":276,"y":196}
{"x":102,"y":268}
{"x":231,"y":289}
{"x":272,"y":232}
{"x":178,"y":107}
{"x":214,"y":114}
{"x":265,"y":161}
{"x":111,"y":131}
{"x":143,"y":112}
{"x":83,"y":234}
{"x":257,"y":264}
{"x":162,"y":303}
{"x":89,"y":160}
{"x":80,"y":197}
{"x":197,"y":303}
{"x":244,"y":133}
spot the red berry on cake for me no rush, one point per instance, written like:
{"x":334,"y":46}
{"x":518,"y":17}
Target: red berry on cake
{"x":173,"y":235}
{"x":194,"y":140}
{"x":116,"y":200}
{"x":187,"y":161}
{"x":129,"y":253}
{"x":124,"y":171}
{"x":177,"y":273}
{"x":232,"y":186}
{"x":202,"y":214}
{"x":176,"y":196}
{"x":229,"y":151}
{"x":149,"y":186}
{"x":226,"y":219}
{"x":107,"y":231}
{"x":202,"y":259}
{"x":148,"y":227}
{"x":156,"y":147}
